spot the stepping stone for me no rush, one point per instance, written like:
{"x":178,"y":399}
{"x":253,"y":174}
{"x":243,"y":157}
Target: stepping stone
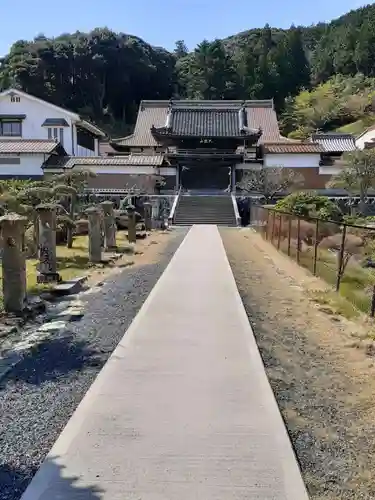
{"x":69,"y":287}
{"x":52,"y":326}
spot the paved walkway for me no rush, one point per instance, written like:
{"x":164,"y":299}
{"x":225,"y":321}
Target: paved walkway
{"x":183,"y":409}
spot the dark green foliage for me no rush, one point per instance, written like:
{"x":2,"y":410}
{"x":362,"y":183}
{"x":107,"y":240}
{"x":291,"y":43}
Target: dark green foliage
{"x":306,"y":204}
{"x":103,"y":75}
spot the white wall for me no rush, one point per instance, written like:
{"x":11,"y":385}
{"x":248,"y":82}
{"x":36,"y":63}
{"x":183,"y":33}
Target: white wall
{"x":367,"y":137}
{"x":36,"y":113}
{"x":329,"y":170}
{"x":30,"y":165}
{"x":81,"y":151}
{"x":292,"y":160}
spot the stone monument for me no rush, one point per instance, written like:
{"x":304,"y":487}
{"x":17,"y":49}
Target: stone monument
{"x":13,"y":262}
{"x":148,"y":215}
{"x":95,"y":235}
{"x":132,"y":232}
{"x":109,"y":225}
{"x":47,"y":244}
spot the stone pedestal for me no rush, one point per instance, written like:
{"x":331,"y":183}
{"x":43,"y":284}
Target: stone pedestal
{"x":13,"y":262}
{"x":47,"y":244}
{"x":148,"y":215}
{"x":132,"y":233}
{"x":109,"y":225}
{"x":95,"y":235}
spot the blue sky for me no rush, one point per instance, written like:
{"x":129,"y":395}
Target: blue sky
{"x":160,"y":22}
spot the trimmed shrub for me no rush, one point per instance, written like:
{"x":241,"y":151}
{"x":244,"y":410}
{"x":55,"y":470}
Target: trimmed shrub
{"x":304,"y":204}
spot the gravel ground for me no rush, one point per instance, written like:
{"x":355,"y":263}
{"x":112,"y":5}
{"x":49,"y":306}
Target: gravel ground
{"x":324,"y":385}
{"x":40,"y":394}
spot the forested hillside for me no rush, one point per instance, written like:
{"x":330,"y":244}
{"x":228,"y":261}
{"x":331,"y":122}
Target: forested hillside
{"x":319,"y":76}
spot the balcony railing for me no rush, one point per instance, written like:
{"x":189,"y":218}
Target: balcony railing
{"x":204,"y":152}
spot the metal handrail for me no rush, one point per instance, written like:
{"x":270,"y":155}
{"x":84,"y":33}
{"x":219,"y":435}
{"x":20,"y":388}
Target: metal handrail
{"x":174,"y":206}
{"x":235,"y":208}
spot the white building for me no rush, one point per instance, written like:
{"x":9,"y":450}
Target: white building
{"x":366,"y":140}
{"x":32,"y":130}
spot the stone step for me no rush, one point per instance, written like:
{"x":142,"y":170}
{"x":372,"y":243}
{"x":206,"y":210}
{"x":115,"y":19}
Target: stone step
{"x":224,"y":224}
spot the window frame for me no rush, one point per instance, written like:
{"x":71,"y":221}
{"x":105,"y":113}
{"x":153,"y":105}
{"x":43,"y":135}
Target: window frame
{"x":56,"y":134}
{"x":11,"y":123}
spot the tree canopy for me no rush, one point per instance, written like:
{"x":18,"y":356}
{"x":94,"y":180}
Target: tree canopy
{"x":103,"y":74}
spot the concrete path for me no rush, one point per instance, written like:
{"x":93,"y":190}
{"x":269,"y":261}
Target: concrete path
{"x":183,"y":409}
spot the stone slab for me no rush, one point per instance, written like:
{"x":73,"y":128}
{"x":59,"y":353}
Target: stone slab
{"x":183,"y":408}
{"x":69,"y":287}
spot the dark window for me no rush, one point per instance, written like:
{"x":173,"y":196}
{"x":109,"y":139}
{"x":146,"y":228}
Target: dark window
{"x":11,"y":129}
{"x":85,"y":140}
{"x":15,"y":98}
{"x":10,"y":161}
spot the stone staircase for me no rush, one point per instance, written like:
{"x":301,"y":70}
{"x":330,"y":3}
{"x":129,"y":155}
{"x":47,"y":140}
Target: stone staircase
{"x":205,"y":210}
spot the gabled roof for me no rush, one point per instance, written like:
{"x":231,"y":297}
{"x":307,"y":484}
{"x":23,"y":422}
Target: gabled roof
{"x":200,"y":120}
{"x":154,"y":114}
{"x":75,"y":116}
{"x":293,"y":147}
{"x":29,"y":146}
{"x":135,"y":160}
{"x":333,"y":142}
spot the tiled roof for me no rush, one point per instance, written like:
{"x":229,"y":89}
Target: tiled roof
{"x":27,"y":146}
{"x":335,"y":142}
{"x":202,"y":121}
{"x":102,"y":161}
{"x":292,"y":147}
{"x":154,"y":113}
{"x":205,"y":122}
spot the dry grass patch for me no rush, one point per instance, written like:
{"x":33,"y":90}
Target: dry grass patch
{"x":323,"y":380}
{"x":74,"y":262}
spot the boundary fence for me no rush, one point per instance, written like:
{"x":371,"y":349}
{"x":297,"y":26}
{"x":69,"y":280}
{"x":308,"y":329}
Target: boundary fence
{"x":341,"y":254}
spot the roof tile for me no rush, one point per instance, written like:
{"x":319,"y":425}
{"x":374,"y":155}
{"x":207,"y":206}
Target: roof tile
{"x":102,"y":161}
{"x":154,"y":113}
{"x":290,"y":147}
{"x":27,"y":146}
{"x":205,"y":122}
{"x":335,"y":142}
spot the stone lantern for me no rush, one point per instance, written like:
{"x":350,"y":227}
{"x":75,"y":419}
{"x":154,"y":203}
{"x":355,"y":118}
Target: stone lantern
{"x":95,"y":235}
{"x":148,"y":215}
{"x":132,"y":233}
{"x":109,"y":225}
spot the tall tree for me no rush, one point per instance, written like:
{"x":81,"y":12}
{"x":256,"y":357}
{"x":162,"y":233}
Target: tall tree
{"x":211,"y":74}
{"x":181,"y":49}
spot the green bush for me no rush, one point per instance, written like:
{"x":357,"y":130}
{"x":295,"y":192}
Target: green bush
{"x":357,"y":220}
{"x":306,"y":204}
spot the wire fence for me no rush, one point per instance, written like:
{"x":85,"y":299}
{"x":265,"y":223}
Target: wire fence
{"x":341,"y":254}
